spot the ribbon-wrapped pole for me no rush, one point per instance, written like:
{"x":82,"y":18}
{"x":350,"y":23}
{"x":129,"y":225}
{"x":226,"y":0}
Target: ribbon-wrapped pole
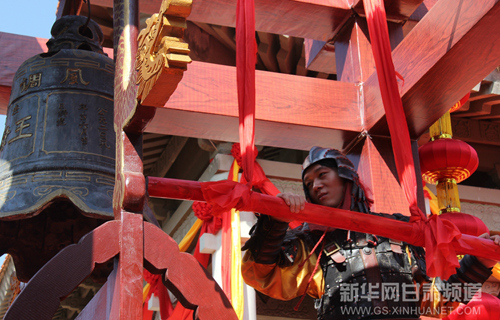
{"x":409,"y":232}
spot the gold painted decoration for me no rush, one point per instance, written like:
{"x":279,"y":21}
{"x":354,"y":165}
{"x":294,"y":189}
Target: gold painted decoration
{"x":162,"y":55}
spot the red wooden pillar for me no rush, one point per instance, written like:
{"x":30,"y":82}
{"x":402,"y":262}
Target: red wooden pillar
{"x":372,"y":155}
{"x":377,"y":170}
{"x":353,"y":52}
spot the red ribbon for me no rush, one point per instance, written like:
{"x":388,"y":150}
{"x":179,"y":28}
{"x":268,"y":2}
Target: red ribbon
{"x":161,"y":292}
{"x":483,"y":306}
{"x":203,"y":211}
{"x":224,"y":195}
{"x":246,"y":50}
{"x":259,"y":177}
{"x":211,"y":224}
{"x":466,"y":223}
{"x":439,"y":235}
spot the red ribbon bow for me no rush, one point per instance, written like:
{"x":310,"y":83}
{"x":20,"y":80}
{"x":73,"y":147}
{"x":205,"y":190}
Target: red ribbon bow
{"x":203,"y":211}
{"x":224,"y":195}
{"x":438,"y":235}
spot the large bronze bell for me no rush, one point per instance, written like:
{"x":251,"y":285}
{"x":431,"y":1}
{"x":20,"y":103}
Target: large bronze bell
{"x":57,"y":154}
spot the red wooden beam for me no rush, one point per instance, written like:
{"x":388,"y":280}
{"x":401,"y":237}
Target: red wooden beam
{"x":68,"y":7}
{"x":282,"y":98}
{"x":397,"y":10}
{"x":4,"y":98}
{"x":314,"y":19}
{"x":331,"y":217}
{"x":330,"y":57}
{"x":375,"y":165}
{"x":292,"y":111}
{"x":445,"y":55}
{"x":14,"y":50}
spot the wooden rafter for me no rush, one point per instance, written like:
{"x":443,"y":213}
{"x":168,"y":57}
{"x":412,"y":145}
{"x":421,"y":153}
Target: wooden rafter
{"x":432,"y":68}
{"x":168,"y":156}
{"x":313,"y":19}
{"x":444,"y":56}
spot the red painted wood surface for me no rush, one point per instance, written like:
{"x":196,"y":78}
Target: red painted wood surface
{"x":298,"y":113}
{"x":14,"y":50}
{"x":127,"y":292}
{"x":353,"y":53}
{"x":320,"y":56}
{"x":290,"y":99}
{"x":395,"y":9}
{"x":4,"y":98}
{"x":380,"y":180}
{"x":68,"y":7}
{"x":313,"y":19}
{"x":41,"y":297}
{"x":291,"y":111}
{"x":267,"y":133}
{"x":355,"y":63}
{"x":125,"y":297}
{"x":332,"y":217}
{"x":424,"y":107}
{"x":185,"y":277}
{"x":133,"y":187}
{"x":443,"y":57}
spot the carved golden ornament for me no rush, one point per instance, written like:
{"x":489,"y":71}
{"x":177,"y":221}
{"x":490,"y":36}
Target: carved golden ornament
{"x":162,"y":55}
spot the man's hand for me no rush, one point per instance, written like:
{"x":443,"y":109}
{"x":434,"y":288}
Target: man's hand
{"x":294,"y":201}
{"x":487,"y":262}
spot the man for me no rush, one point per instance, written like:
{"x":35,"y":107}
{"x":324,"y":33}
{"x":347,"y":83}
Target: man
{"x":351,"y":275}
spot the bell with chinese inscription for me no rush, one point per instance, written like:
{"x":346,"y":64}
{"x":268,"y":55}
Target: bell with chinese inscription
{"x":57,"y":153}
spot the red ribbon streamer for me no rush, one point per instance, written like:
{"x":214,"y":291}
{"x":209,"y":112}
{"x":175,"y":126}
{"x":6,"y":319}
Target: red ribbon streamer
{"x":246,"y":50}
{"x":211,"y":224}
{"x":379,"y":35}
{"x":161,"y":292}
{"x":439,"y":235}
{"x":482,"y":306}
{"x":259,"y":177}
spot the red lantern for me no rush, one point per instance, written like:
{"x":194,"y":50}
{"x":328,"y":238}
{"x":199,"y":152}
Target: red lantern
{"x":447,"y":159}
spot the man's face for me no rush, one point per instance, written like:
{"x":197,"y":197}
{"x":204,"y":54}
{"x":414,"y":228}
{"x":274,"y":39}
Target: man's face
{"x":324,"y":185}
